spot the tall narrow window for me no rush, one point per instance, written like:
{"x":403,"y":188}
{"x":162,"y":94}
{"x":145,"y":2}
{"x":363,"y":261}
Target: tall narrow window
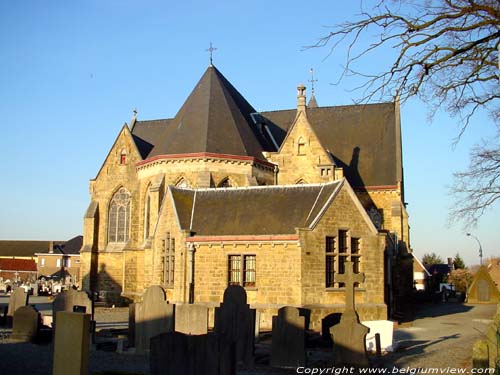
{"x":147,"y":214}
{"x":301,"y":146}
{"x":168,"y":261}
{"x":330,"y":261}
{"x":242,"y":270}
{"x":123,"y":157}
{"x":343,"y":252}
{"x":119,"y":217}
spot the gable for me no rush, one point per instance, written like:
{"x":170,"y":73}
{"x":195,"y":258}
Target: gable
{"x":364,"y":140}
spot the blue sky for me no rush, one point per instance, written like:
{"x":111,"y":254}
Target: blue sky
{"x":72,"y":72}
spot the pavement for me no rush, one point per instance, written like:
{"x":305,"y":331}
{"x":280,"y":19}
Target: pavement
{"x":441,"y":336}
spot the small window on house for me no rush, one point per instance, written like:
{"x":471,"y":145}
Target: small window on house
{"x":123,"y":157}
{"x":301,"y":146}
{"x":42,"y":262}
{"x":242,"y":270}
{"x":58,"y":263}
{"x":338,"y":252}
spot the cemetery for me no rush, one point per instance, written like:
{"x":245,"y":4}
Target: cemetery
{"x":72,"y":334}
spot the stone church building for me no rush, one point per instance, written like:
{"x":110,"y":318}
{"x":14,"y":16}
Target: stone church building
{"x":276,"y":202}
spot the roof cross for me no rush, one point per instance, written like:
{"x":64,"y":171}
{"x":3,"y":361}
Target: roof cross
{"x":349,"y":278}
{"x":312,"y":80}
{"x":211,"y":50}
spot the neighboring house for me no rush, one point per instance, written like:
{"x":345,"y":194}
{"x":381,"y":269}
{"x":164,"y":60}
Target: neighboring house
{"x":420,"y":274}
{"x":22,"y":257}
{"x":494,"y":271}
{"x":438,"y":275}
{"x":276,"y":202}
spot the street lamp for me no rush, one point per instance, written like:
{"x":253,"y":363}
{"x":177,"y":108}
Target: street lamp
{"x":480,"y":248}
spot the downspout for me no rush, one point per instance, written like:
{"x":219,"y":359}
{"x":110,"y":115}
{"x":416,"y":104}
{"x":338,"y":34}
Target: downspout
{"x":192,"y":251}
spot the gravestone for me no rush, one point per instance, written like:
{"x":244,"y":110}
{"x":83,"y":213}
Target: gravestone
{"x":131,"y":324}
{"x":153,"y":316}
{"x":17,"y":299}
{"x":25,"y":324}
{"x":66,"y":300}
{"x":71,"y":344}
{"x":176,"y":353}
{"x":288,"y":343}
{"x":349,"y":335}
{"x":385,"y":329}
{"x":328,"y":322}
{"x":191,"y":319}
{"x":235,"y":324}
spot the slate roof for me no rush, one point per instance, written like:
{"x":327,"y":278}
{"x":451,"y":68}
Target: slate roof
{"x":269,"y":210}
{"x":215,"y":118}
{"x":29,"y":248}
{"x":363,"y":139}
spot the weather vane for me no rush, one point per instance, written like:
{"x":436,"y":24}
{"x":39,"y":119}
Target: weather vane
{"x":312,"y":80}
{"x":211,"y":50}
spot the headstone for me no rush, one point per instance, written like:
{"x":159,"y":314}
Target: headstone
{"x":480,"y":355}
{"x":131,"y":324}
{"x":18,"y":298}
{"x":235,"y":324}
{"x":153,"y":316}
{"x":349,"y":335}
{"x":191,"y":319}
{"x":176,"y":353}
{"x":328,"y":322}
{"x":288,"y":340}
{"x":72,"y":344}
{"x":385,"y":329}
{"x":25,"y":324}
{"x":65,"y":301}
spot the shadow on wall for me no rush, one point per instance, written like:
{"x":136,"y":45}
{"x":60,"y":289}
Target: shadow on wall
{"x":104,"y":288}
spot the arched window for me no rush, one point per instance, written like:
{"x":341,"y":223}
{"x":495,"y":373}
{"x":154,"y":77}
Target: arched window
{"x":225,"y":183}
{"x":119,"y":216}
{"x":147,"y":215}
{"x":182,"y":183}
{"x":301,"y":146}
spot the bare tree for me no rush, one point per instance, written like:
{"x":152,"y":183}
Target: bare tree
{"x":446,"y":53}
{"x":478,"y":187}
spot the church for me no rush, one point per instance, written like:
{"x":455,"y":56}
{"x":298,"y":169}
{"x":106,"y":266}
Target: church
{"x":279,"y":202}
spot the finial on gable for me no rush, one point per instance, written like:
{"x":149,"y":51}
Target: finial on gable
{"x":301,"y":97}
{"x":134,"y":118}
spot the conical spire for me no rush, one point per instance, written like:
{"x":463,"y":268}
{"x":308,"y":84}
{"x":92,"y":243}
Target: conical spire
{"x":214,"y":118}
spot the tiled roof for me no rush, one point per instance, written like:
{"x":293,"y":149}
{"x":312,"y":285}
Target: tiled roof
{"x":270,"y":210}
{"x":17,"y":264}
{"x":29,"y":248}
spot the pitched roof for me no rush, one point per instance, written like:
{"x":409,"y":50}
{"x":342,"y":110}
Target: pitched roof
{"x":269,"y":210}
{"x":17,"y":265}
{"x":29,"y":248}
{"x":215,"y":118}
{"x":363,"y":139}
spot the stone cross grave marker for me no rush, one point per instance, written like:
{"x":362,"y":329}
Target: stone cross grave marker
{"x":25,"y":326}
{"x":153,"y":316}
{"x":191,"y":319}
{"x":235,"y":324}
{"x":18,"y":298}
{"x":349,"y":335}
{"x":288,"y":343}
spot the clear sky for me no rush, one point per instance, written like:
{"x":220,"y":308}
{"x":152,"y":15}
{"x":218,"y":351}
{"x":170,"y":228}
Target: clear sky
{"x":71,"y":72}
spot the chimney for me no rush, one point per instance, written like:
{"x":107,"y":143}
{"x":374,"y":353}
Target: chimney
{"x":301,"y":98}
{"x":51,"y":247}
